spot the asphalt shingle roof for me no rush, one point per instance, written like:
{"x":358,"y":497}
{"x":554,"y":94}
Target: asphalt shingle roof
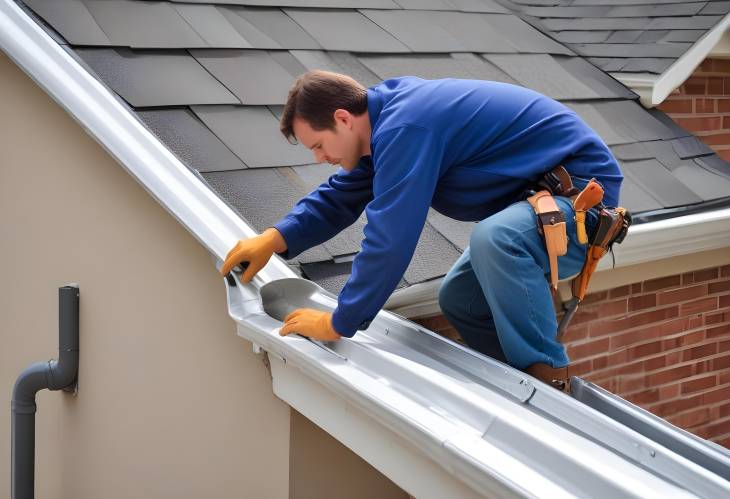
{"x":209,"y":80}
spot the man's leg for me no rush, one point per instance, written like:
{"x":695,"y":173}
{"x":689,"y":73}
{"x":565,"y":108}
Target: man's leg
{"x":509,"y":260}
{"x":463,"y":304}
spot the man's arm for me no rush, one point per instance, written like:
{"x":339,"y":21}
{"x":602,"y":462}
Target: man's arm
{"x":408,"y":168}
{"x":332,"y":207}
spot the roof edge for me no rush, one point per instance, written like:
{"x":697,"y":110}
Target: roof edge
{"x":654,"y":89}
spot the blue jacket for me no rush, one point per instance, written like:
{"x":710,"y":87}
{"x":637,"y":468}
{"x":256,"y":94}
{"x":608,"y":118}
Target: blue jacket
{"x":468,"y":148}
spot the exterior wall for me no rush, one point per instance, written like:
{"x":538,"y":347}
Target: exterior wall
{"x":171,"y":402}
{"x":702,"y":105}
{"x":662,"y":343}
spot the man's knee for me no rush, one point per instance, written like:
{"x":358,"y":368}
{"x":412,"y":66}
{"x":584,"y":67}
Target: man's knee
{"x":487,"y":236}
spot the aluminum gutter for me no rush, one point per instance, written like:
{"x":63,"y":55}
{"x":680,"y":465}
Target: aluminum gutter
{"x":646,"y":242}
{"x":466,"y":425}
{"x":653,"y":89}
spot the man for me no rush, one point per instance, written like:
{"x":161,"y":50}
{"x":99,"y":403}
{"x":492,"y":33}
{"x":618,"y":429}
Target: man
{"x":467,"y":148}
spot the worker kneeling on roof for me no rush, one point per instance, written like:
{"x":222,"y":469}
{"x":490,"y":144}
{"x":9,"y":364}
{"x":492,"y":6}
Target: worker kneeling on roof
{"x":472,"y":150}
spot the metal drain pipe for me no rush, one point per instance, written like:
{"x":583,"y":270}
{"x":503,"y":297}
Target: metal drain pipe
{"x":55,"y":375}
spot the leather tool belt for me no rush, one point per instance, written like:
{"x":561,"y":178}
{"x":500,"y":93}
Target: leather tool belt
{"x":612,"y":228}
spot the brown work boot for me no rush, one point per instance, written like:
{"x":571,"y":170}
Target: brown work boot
{"x":556,"y":377}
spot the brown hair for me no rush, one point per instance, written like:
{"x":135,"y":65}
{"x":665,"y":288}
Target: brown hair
{"x":316,"y":95}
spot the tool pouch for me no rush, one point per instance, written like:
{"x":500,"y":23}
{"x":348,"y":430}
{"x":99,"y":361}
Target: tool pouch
{"x":551,"y":224}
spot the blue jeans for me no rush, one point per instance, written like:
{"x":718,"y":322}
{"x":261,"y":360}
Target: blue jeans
{"x":497,"y":295}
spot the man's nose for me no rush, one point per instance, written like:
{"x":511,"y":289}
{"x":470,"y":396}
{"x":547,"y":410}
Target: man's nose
{"x":319,"y":156}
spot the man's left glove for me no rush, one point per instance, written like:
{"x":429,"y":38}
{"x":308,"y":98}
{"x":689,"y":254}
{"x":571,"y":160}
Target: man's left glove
{"x":310,"y":322}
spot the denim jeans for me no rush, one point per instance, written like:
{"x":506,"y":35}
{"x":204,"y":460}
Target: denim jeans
{"x":497,"y":294}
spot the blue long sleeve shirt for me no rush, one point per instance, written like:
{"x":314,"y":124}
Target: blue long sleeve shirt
{"x":468,"y":148}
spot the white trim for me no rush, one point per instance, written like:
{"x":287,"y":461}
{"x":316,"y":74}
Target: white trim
{"x":646,"y":242}
{"x":653,"y":89}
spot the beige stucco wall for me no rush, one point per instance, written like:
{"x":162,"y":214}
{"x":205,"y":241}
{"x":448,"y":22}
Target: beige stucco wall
{"x":171,"y":403}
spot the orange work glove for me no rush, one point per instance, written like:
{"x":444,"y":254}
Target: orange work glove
{"x":256,"y":250}
{"x":310,"y":322}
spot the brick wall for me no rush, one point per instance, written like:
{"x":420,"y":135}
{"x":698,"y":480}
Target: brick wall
{"x":702,"y":105}
{"x":663,"y":344}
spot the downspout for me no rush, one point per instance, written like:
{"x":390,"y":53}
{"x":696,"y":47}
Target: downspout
{"x":58,"y":374}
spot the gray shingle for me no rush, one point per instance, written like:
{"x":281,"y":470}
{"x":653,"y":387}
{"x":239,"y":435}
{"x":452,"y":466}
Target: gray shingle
{"x":524,"y":37}
{"x":706,"y":184}
{"x":714,"y":164}
{"x":431,"y":31}
{"x":339,"y":62}
{"x":688,"y":147}
{"x":647,"y":64}
{"x":610,"y":134}
{"x":429,"y":66}
{"x":696,"y":22}
{"x":613,"y":23}
{"x":252,"y":75}
{"x":212,"y":26}
{"x":672,"y":125}
{"x":720,"y":8}
{"x":273,"y":24}
{"x":480,"y":68}
{"x":660,"y":9}
{"x":683,"y":35}
{"x":457,"y":232}
{"x":633,"y":151}
{"x":194,"y":144}
{"x":653,"y":36}
{"x":486,"y":6}
{"x":344,"y":4}
{"x":333,"y":276}
{"x":143,"y":24}
{"x":654,"y":178}
{"x":625,"y":36}
{"x":540,"y":72}
{"x":596,"y":36}
{"x":252,"y":133}
{"x":72,"y":19}
{"x":609,"y":63}
{"x":663,"y":152}
{"x":433,"y":257}
{"x":633,"y":50}
{"x":568,"y":12}
{"x":636,"y":198}
{"x":156,"y":78}
{"x":602,"y":83}
{"x":261,"y":196}
{"x":343,"y":30}
{"x":634,"y":120}
{"x":624,"y":2}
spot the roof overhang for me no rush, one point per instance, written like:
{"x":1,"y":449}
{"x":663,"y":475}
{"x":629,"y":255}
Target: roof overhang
{"x":653,"y":89}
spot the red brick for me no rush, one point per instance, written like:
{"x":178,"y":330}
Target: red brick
{"x":700,"y":123}
{"x":628,"y":384}
{"x":726,"y":122}
{"x":600,"y":363}
{"x":725,"y":271}
{"x":632,"y":320}
{"x":723,"y":346}
{"x":694,"y":85}
{"x":719,"y":331}
{"x":723,"y":378}
{"x":718,"y":138}
{"x":583,"y":350}
{"x":644,"y":350}
{"x":661,"y":283}
{"x":644,"y":397}
{"x":636,"y":288}
{"x":682,"y":294}
{"x":669,"y":375}
{"x":720,"y":363}
{"x":641,"y":302}
{"x":681,"y":105}
{"x":654,"y":331}
{"x":691,"y":418}
{"x":718,"y":395}
{"x":719,"y":65}
{"x":575,"y":332}
{"x":716,"y":287}
{"x":724,"y":410}
{"x":726,"y":86}
{"x":698,"y":306}
{"x":655,"y":363}
{"x":715,"y":85}
{"x":619,"y":292}
{"x":724,"y":301}
{"x":676,"y":405}
{"x":699,"y":351}
{"x":705,"y":274}
{"x":723,"y":106}
{"x":580,"y":368}
{"x":720,"y":428}
{"x":667,"y":392}
{"x":707,"y":105}
{"x":698,"y":384}
{"x":716,"y":318}
{"x":591,"y":298}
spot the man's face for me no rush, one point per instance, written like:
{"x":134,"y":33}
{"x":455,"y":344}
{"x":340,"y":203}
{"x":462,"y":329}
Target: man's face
{"x":338,"y":147}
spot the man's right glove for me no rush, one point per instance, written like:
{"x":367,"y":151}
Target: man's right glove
{"x":256,"y":250}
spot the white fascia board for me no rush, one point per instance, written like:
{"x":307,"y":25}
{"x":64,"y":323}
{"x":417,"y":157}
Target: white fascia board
{"x":653,"y":89}
{"x":645,"y":242}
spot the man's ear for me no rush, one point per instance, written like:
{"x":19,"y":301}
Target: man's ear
{"x":344,"y":116}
